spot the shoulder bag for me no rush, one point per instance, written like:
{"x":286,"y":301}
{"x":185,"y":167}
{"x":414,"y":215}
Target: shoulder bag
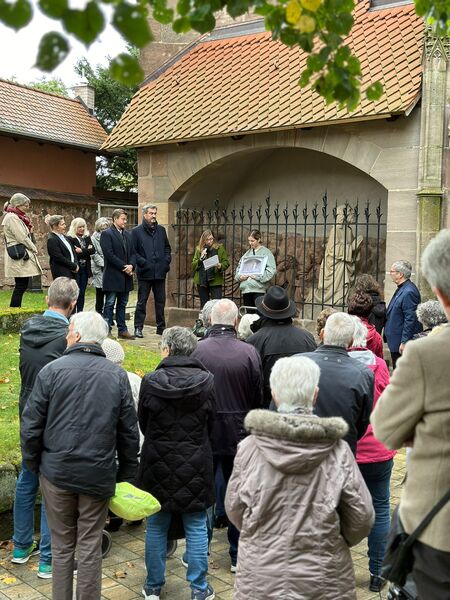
{"x":17,"y":252}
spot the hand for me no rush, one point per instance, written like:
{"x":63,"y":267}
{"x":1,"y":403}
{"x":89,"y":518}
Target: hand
{"x":90,"y":247}
{"x":401,"y":348}
{"x":243,"y":277}
{"x":78,"y":250}
{"x":128,"y":269}
{"x":76,"y":270}
{"x":219,"y":267}
{"x":203,"y":254}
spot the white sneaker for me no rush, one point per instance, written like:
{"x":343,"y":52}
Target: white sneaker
{"x":151,"y":593}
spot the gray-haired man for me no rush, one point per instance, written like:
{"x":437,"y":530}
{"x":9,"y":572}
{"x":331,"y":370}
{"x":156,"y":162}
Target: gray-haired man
{"x":153,"y":255}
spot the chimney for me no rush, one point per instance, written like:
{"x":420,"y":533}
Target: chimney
{"x":86,"y":94}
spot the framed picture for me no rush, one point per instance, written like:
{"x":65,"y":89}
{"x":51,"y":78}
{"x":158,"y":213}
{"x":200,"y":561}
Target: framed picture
{"x":253,"y":265}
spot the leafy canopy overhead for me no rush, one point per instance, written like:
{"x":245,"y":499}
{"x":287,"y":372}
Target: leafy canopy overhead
{"x":319,"y":27}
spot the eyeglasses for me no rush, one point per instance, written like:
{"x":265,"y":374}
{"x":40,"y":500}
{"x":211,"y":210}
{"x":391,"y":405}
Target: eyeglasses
{"x":393,"y":271}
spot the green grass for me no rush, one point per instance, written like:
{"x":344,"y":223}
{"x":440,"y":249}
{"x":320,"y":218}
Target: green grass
{"x":137,"y":359}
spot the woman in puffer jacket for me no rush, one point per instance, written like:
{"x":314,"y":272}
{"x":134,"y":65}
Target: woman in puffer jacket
{"x":297,"y":496}
{"x":375,"y":461}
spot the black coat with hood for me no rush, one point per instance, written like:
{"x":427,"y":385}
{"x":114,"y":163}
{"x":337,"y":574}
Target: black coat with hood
{"x":79,"y":418}
{"x":42,"y":339}
{"x":176,"y":412}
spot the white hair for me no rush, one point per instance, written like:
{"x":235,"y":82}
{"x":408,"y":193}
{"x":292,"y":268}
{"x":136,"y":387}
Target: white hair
{"x":244,"y":330}
{"x":180,"y":341}
{"x":436,"y":262}
{"x":206,"y":312}
{"x":360,"y":333}
{"x":224,"y":312}
{"x":19,"y":200}
{"x":338,"y":330}
{"x":77,"y":222}
{"x":293,"y":381}
{"x":404,"y":267}
{"x":91,"y":326}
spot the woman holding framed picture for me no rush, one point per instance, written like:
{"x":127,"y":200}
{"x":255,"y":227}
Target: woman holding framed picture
{"x":255,"y":269}
{"x":209,"y":265}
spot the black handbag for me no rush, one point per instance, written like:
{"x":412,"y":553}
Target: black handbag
{"x":17,"y":252}
{"x":398,"y":559}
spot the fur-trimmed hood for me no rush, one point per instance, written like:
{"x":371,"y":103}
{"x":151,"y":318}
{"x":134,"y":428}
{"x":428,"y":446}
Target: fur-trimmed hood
{"x":294,"y":443}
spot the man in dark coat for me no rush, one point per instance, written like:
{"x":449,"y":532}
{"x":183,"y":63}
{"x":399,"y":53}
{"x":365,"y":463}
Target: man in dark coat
{"x":401,"y":319}
{"x":42,"y":339}
{"x":79,"y":417}
{"x":153,"y":256}
{"x":276,"y":336}
{"x":346,"y":386}
{"x":120,"y":262}
{"x":238,"y":382}
{"x":176,"y":412}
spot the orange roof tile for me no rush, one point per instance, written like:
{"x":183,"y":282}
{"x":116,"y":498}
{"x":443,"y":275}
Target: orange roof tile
{"x":249,"y":83}
{"x":31,"y":113}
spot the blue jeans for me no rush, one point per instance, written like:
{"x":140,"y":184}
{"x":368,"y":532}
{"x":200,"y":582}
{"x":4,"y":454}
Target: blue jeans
{"x":196,"y":548}
{"x":82,"y":280}
{"x":378,"y":477}
{"x":26,"y":492}
{"x":122,"y":300}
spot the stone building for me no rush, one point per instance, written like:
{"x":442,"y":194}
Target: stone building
{"x":48,"y":149}
{"x":225,"y":119}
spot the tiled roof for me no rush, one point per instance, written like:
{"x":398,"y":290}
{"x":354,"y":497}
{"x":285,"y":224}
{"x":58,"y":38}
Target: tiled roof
{"x":248,"y":84}
{"x":30,"y":113}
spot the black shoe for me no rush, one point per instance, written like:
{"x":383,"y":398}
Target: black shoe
{"x":221,"y":521}
{"x":126,"y":335}
{"x":138,"y":332}
{"x":376,"y":583}
{"x":159,"y":331}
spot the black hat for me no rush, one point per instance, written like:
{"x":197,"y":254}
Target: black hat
{"x":275,"y":304}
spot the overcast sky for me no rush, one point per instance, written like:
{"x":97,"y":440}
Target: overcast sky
{"x":18,"y":50}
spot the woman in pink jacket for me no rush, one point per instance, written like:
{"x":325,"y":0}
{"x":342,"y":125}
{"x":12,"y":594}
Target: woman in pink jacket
{"x":375,"y":460}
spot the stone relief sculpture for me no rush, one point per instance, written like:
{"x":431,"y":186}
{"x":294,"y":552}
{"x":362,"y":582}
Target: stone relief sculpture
{"x":338,"y":265}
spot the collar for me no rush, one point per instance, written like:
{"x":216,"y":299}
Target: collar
{"x":84,"y":347}
{"x":330,"y":348}
{"x":217,"y":330}
{"x":55,"y":315}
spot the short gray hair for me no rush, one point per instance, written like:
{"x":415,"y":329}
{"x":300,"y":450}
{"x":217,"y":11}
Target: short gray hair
{"x":180,"y":341}
{"x":54,"y":220}
{"x":19,"y":200}
{"x":147,"y":207}
{"x":62,"y":292}
{"x":91,"y":326}
{"x":99,"y":223}
{"x":436,"y":262}
{"x":404,"y":267}
{"x":206,"y":312}
{"x":338,"y":330}
{"x":293,"y":381}
{"x":431,"y":314}
{"x":360,"y":333}
{"x":224,"y":312}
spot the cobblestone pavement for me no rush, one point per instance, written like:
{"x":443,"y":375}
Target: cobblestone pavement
{"x":124,"y":571}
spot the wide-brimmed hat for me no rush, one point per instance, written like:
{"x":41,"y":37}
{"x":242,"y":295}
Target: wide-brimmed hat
{"x":275,"y":304}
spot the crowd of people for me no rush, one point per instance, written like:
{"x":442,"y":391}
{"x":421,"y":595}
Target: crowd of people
{"x":302,"y":429}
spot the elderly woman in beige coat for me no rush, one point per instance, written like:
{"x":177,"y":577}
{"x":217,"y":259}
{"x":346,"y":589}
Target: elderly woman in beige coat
{"x":17,"y":230}
{"x":297,"y":496}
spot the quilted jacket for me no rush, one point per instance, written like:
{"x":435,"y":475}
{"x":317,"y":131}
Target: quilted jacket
{"x":176,"y":411}
{"x":299,"y":501}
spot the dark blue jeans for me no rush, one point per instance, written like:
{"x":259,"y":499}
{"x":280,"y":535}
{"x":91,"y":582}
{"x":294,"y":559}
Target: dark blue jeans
{"x":122,"y":300}
{"x":378,"y":477}
{"x":82,"y":280}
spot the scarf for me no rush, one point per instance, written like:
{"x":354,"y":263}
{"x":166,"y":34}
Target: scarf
{"x":22,"y":216}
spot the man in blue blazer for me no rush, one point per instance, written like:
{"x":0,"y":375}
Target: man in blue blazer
{"x":401,"y":324}
{"x":120,"y":262}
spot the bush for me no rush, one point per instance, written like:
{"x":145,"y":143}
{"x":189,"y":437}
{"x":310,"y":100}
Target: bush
{"x":12,"y":319}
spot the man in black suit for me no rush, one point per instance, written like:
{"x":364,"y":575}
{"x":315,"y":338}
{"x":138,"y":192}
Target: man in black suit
{"x":63,"y":262}
{"x":120,"y":262}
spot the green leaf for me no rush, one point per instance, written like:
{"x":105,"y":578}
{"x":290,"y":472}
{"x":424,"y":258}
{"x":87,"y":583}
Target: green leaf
{"x":203,"y":25}
{"x":183,"y":7}
{"x":131,"y":21}
{"x":304,"y":78}
{"x":374,"y":91}
{"x":160,"y":12}
{"x":53,"y":8}
{"x":85,"y":24}
{"x":126,"y":69}
{"x":53,"y":49}
{"x":315,"y":63}
{"x":16,"y":15}
{"x":236,"y":8}
{"x":181,"y":25}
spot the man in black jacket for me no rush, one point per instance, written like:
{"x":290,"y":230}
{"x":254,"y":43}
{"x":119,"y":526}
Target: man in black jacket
{"x":120,"y":262}
{"x":42,"y":339}
{"x":277,"y":337}
{"x":79,"y":417}
{"x":153,"y":256}
{"x":346,"y":386}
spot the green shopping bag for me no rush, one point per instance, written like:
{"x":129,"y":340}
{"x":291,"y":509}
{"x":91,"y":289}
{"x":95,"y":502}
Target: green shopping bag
{"x":133,"y":504}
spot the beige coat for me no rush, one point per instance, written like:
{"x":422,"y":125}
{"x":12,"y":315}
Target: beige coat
{"x":416,"y":406}
{"x":16,"y":232}
{"x":299,"y":500}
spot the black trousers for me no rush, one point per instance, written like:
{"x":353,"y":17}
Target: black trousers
{"x":213,"y":292}
{"x":431,"y":572}
{"x":18,"y":292}
{"x":99,"y":300}
{"x":250,"y":297}
{"x":395,"y":356}
{"x":145,"y":286}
